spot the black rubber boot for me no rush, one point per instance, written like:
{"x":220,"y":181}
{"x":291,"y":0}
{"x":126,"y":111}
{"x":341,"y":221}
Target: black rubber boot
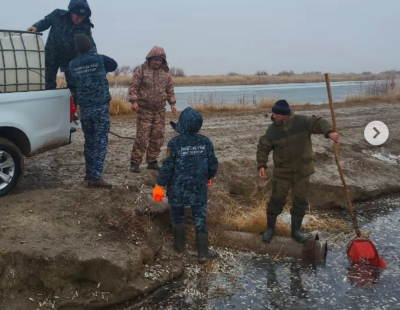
{"x":134,"y":168}
{"x":179,"y":237}
{"x":202,"y":249}
{"x":270,"y":232}
{"x":153,"y":166}
{"x":296,"y":227}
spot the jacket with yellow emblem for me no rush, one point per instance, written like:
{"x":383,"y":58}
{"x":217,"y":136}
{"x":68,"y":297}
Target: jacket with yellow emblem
{"x":190,"y":164}
{"x":290,"y":142}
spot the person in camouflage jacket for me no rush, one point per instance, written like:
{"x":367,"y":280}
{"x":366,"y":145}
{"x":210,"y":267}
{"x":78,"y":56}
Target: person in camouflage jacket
{"x":89,"y":70}
{"x":60,"y":46}
{"x":151,"y":87}
{"x":289,"y":140}
{"x":190,"y":163}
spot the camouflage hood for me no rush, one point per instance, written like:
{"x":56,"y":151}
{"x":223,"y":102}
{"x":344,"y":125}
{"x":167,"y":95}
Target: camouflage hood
{"x":158,"y":51}
{"x":80,"y":3}
{"x":190,"y":121}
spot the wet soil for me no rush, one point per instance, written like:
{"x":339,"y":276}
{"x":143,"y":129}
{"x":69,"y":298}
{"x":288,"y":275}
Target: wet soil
{"x":52,"y":222}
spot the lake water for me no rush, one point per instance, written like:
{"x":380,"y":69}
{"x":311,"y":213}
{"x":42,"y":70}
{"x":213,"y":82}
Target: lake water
{"x":314,"y":93}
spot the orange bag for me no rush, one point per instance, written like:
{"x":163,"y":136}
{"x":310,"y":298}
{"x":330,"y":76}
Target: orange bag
{"x":363,"y":252}
{"x":158,"y":194}
{"x":209,"y":183}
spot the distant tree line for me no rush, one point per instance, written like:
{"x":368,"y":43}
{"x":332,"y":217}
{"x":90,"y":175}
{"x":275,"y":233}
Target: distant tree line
{"x":123,"y":70}
{"x":261,"y":73}
{"x":179,"y":72}
{"x":128,"y":70}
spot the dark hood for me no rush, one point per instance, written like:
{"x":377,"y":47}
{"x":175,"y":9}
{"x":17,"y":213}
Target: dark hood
{"x":83,"y":3}
{"x":190,"y":121}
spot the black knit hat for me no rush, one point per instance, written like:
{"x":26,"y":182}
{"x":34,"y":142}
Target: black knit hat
{"x":281,"y":107}
{"x":82,"y":43}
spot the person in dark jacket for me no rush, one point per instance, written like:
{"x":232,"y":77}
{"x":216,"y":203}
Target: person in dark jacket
{"x":60,"y":46}
{"x":90,"y":70}
{"x":289,"y":139}
{"x":190,"y":163}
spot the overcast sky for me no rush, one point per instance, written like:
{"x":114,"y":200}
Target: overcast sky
{"x":217,"y":36}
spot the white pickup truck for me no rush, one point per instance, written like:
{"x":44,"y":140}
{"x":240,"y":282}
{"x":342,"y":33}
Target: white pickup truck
{"x":31,"y":121}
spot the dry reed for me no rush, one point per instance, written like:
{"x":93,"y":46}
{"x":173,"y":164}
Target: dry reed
{"x":241,"y":79}
{"x":232,"y":216}
{"x":269,"y":79}
{"x":391,"y":95}
{"x":119,"y":107}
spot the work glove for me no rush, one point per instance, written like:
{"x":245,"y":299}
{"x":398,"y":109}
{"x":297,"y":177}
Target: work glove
{"x":32,"y":29}
{"x":209,"y":183}
{"x":158,"y":194}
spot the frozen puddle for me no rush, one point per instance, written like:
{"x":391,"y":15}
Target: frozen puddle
{"x":384,"y":156}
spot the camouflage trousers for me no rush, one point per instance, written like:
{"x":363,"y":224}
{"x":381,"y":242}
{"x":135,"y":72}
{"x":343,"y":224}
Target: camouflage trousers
{"x":95,"y":125}
{"x":199,"y":216}
{"x":280,"y":191}
{"x":150,"y":129}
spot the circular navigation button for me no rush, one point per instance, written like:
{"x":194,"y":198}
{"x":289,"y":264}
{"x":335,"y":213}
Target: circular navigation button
{"x":376,"y":133}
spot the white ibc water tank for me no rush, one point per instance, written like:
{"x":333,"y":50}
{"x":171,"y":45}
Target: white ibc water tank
{"x":22,"y":61}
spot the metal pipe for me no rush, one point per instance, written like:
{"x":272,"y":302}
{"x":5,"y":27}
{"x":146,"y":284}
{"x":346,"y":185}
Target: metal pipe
{"x":4,"y":64}
{"x":26,"y":59}
{"x":21,"y":84}
{"x":21,"y":68}
{"x":311,"y":251}
{"x":19,"y":31}
{"x":40,"y":63}
{"x":15,"y":59}
{"x":21,"y":50}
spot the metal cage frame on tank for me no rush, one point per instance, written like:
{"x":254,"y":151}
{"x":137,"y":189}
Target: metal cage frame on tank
{"x":27,"y":85}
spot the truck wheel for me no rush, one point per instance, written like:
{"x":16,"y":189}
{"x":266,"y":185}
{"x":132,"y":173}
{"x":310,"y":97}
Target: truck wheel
{"x":11,"y":166}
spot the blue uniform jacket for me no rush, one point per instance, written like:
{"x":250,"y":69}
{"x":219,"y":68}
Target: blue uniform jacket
{"x":191,"y":162}
{"x":90,"y":74}
{"x":60,"y":45}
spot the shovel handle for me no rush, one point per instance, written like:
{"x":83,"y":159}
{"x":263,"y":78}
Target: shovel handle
{"x":346,"y":189}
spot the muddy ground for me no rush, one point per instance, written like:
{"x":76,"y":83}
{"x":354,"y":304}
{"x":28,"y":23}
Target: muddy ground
{"x":68,"y":247}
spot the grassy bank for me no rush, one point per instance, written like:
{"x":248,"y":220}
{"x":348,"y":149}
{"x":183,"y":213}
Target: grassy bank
{"x":385,"y":89}
{"x":229,"y":214}
{"x":220,"y":80}
{"x":269,"y":79}
{"x":119,"y":104}
{"x":263,"y":103}
{"x":378,"y":91}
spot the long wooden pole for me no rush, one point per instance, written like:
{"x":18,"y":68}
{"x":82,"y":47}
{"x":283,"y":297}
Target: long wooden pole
{"x":346,"y":189}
